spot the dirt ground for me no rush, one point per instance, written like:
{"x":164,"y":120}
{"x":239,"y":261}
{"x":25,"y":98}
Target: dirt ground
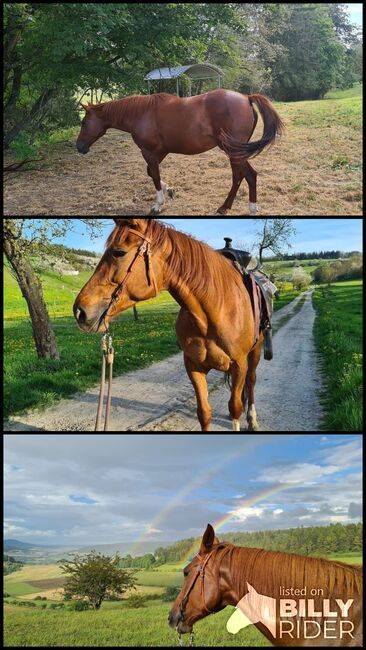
{"x":295,"y":177}
{"x":161,"y":397}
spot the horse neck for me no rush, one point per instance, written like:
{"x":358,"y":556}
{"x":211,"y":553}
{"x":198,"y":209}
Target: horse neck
{"x":242,"y":571}
{"x":204,"y":302}
{"x":122,"y":114}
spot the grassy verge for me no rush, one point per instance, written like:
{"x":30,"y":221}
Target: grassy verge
{"x":338,"y":336}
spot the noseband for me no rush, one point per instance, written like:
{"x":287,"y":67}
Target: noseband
{"x":200,"y":571}
{"x":143,"y":251}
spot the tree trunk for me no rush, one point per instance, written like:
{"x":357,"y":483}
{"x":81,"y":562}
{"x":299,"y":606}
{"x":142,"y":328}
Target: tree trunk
{"x":31,"y":288}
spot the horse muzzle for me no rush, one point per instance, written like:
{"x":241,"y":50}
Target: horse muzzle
{"x":82,"y":148}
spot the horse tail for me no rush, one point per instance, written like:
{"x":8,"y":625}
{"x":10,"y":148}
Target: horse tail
{"x":273,"y":126}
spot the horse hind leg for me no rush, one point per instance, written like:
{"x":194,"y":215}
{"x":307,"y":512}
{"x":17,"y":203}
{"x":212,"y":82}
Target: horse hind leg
{"x":250,"y":175}
{"x":253,"y":361}
{"x":169,"y":190}
{"x":238,"y":175}
{"x":236,"y":405}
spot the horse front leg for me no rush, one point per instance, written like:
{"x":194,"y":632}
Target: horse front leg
{"x":153,"y":162}
{"x":199,"y":381}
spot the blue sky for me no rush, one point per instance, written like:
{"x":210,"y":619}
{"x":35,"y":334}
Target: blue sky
{"x":354,"y":9}
{"x":312,"y":234}
{"x":123,"y":488}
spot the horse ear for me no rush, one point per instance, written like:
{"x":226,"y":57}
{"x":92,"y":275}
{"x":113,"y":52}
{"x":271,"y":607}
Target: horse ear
{"x":208,"y":539}
{"x":85,"y":107}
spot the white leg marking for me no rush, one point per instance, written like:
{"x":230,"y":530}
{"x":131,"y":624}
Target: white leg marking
{"x":252,"y":208}
{"x":164,"y":186}
{"x":252,"y":418}
{"x":236,"y":425}
{"x":159,"y":201}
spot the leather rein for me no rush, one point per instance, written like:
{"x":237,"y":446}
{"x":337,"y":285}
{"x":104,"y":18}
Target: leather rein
{"x":199,"y":572}
{"x":144,"y":252}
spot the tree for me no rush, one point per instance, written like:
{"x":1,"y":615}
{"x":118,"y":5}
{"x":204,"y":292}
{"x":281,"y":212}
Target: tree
{"x":21,"y":237}
{"x":300,"y":279}
{"x":274,"y":235}
{"x":95,"y":577}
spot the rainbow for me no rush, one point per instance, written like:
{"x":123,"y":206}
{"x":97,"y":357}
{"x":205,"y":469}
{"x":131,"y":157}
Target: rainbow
{"x":197,"y":482}
{"x":253,"y":500}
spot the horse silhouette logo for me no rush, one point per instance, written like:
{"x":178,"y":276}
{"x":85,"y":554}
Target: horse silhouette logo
{"x":253,"y":608}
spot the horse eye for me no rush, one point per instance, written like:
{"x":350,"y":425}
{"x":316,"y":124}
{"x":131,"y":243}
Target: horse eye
{"x":119,"y":254}
{"x":185,"y":573}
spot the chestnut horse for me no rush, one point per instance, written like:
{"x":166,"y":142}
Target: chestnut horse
{"x":215,"y":326}
{"x":161,"y":124}
{"x":224,"y":574}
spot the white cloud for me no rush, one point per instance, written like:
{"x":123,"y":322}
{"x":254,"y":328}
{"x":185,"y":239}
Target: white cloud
{"x":302,"y":473}
{"x":345,"y":456}
{"x":278,"y":511}
{"x":242,"y":514}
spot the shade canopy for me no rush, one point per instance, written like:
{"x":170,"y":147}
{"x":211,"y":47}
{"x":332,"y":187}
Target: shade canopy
{"x":194,"y":71}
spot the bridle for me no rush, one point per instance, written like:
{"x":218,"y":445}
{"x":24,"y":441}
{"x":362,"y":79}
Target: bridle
{"x":199,"y":572}
{"x":143,"y":251}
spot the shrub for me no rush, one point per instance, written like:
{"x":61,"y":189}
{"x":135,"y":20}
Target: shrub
{"x":79,"y":606}
{"x":6,"y":595}
{"x":43,"y":605}
{"x":170,"y":594}
{"x":37,"y":598}
{"x":135,"y":602}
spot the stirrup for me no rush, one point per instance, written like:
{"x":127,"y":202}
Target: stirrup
{"x":268,"y":344}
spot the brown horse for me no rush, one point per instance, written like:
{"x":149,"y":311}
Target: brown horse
{"x":224,"y":574}
{"x":215,"y":326}
{"x":161,"y":124}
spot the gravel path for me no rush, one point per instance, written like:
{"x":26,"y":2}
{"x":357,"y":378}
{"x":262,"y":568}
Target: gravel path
{"x":160,"y":398}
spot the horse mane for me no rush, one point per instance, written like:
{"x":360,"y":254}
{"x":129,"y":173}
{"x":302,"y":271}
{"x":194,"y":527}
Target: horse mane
{"x":130,"y":107}
{"x":268,"y":570}
{"x":204,"y":271}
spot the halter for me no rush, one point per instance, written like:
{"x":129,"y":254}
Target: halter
{"x":199,"y":571}
{"x":143,"y":251}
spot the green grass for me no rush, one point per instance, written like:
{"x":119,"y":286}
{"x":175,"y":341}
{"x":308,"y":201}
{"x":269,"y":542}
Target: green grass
{"x":116,"y":627}
{"x":31,"y":382}
{"x":348,"y":558}
{"x":338,"y":336}
{"x":160,"y":579}
{"x":342,"y":107}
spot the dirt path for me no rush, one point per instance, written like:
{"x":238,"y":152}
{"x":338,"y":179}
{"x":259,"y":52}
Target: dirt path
{"x":112,"y":180}
{"x":160,"y":398}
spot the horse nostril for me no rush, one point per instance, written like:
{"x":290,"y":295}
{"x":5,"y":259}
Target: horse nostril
{"x":80,"y":315}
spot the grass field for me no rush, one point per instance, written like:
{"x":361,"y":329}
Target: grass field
{"x":31,"y":382}
{"x":338,"y":335}
{"x":116,"y":624}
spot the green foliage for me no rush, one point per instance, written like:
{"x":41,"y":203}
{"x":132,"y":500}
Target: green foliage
{"x":22,"y":147}
{"x":170,"y":594}
{"x":95,"y":577}
{"x":79,"y":606}
{"x":135,"y":602}
{"x":147,"y":561}
{"x":10,"y":565}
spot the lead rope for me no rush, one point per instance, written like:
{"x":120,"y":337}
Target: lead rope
{"x":108,"y":357}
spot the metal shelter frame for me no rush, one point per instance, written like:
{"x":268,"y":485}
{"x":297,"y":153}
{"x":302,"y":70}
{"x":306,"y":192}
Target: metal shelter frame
{"x":195,"y":72}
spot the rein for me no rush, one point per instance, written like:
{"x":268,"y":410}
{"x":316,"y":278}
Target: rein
{"x":199,"y":571}
{"x":144,"y":251}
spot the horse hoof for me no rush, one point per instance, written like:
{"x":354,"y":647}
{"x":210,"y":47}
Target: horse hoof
{"x":171,"y":193}
{"x":221,"y":211}
{"x":155,"y":211}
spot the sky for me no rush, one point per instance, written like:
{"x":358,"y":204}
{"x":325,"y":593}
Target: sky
{"x":95,"y":489}
{"x":354,"y":9}
{"x":311,"y":234}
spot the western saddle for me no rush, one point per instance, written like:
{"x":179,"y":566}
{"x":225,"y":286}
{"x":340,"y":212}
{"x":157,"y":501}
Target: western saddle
{"x":261,"y":291}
